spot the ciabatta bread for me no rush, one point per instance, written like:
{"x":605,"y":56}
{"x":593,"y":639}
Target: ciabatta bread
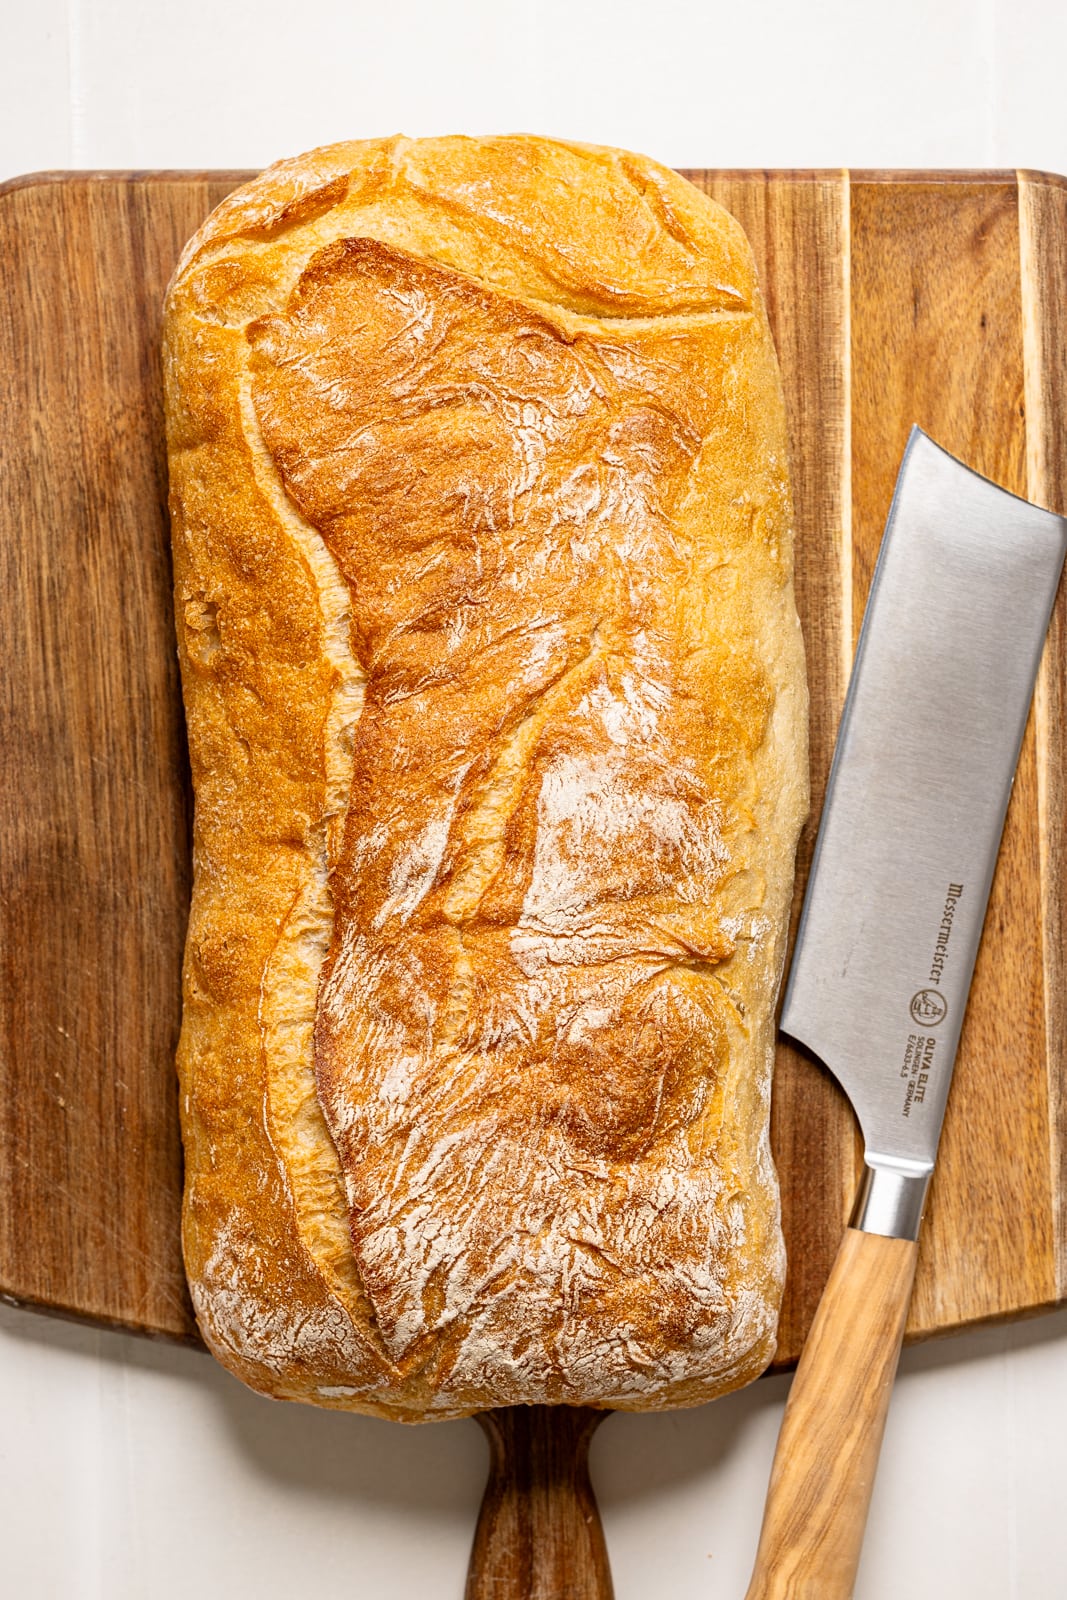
{"x":496,"y":715}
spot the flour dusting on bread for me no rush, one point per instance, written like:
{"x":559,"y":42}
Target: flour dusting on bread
{"x":497,"y":722}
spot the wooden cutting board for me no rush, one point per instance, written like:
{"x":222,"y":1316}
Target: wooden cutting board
{"x":937,"y":298}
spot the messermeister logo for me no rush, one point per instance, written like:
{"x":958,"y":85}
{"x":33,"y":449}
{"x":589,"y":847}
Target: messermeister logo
{"x":928,"y":1008}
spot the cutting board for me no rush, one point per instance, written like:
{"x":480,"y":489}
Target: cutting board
{"x":937,"y":298}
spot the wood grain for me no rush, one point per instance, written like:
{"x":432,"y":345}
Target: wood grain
{"x":894,"y":298}
{"x":937,"y":340}
{"x":831,"y":1436}
{"x":1043,"y":270}
{"x":539,"y":1535}
{"x":94,"y":859}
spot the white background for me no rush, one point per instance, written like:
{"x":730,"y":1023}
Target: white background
{"x":130,"y":1470}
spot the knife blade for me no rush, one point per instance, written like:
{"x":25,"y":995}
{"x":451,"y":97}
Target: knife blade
{"x":886,"y":944}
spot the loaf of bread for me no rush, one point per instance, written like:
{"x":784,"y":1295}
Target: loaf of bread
{"x":497,"y":715}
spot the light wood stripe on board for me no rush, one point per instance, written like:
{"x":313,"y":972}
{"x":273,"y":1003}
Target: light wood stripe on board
{"x":1043,"y":272}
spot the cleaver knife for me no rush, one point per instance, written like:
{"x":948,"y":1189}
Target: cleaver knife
{"x":885,"y":950}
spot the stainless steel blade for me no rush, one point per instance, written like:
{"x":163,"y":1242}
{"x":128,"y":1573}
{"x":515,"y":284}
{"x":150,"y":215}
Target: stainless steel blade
{"x":922,"y":772}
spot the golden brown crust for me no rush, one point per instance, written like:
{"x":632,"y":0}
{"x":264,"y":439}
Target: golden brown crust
{"x":496,"y":708}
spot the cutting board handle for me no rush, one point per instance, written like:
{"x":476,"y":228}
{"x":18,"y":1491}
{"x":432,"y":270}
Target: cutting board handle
{"x":539,"y":1535}
{"x":827,"y":1453}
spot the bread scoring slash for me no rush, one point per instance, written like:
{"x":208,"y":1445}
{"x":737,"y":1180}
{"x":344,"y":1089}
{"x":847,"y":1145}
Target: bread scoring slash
{"x":496,"y":705}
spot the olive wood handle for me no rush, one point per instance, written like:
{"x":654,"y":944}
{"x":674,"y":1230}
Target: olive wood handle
{"x":539,"y":1535}
{"x":831,"y":1435}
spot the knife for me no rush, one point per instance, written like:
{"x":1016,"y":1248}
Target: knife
{"x":885,"y":950}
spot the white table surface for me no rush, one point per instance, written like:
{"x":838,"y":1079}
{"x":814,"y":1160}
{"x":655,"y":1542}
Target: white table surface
{"x":131,"y":1470}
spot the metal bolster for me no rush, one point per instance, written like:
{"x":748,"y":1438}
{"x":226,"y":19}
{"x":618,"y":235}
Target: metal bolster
{"x":891,"y":1197}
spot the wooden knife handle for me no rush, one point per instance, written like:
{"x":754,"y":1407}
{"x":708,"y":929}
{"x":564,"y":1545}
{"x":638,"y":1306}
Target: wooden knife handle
{"x":827,"y":1452}
{"x":539,"y":1535}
